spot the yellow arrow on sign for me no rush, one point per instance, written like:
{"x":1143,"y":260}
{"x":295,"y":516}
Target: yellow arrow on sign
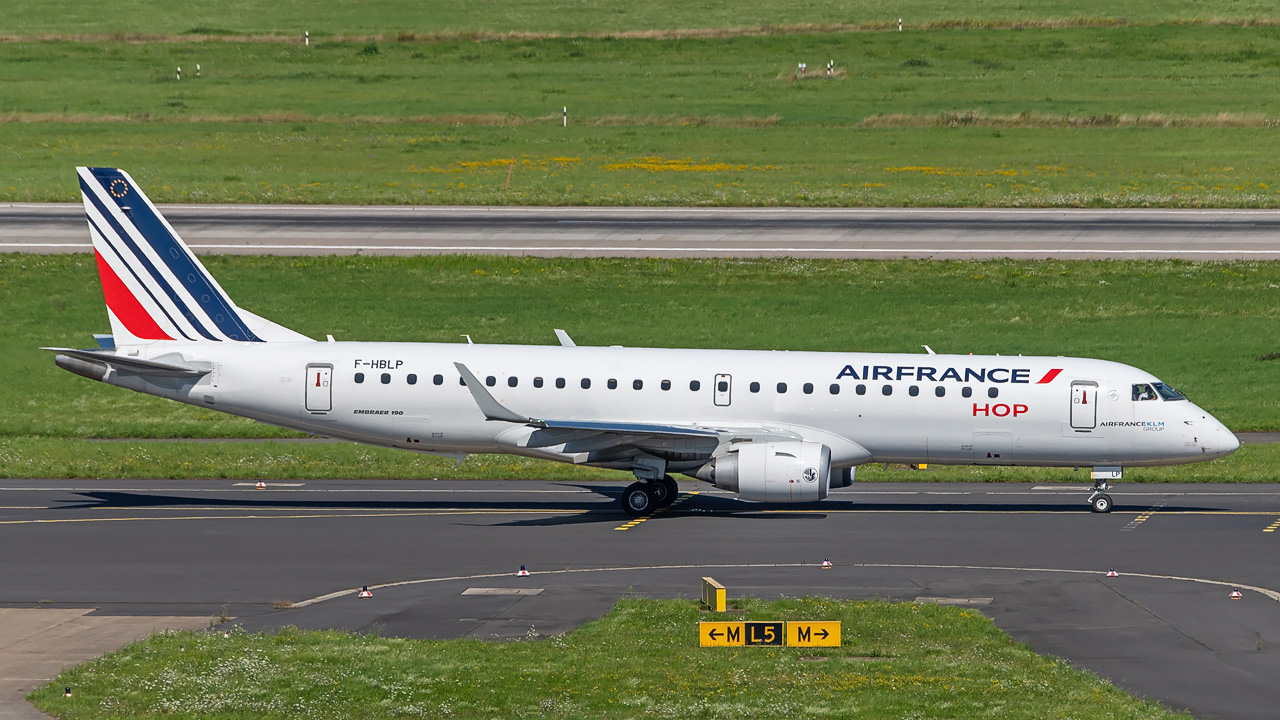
{"x":721,"y":634}
{"x":820,"y":633}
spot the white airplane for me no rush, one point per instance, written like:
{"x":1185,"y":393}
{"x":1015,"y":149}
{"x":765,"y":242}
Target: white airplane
{"x":780,"y":427}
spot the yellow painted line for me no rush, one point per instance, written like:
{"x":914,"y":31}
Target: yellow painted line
{"x":1272,"y":527}
{"x":1164,"y":511}
{"x":630,"y":524}
{"x":295,"y":517}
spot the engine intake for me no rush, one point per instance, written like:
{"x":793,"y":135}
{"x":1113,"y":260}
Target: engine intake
{"x":781,"y":472}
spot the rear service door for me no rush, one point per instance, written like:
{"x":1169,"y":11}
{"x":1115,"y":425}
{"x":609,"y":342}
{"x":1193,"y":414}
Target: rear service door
{"x":723,"y":389}
{"x":319,"y":388}
{"x":1084,"y":404}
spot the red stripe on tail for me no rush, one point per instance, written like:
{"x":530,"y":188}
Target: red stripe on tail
{"x":1049,"y":376}
{"x":126,"y":307}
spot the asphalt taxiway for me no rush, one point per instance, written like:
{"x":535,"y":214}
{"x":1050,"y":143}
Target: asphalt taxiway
{"x":441,"y":560}
{"x":680,"y":232}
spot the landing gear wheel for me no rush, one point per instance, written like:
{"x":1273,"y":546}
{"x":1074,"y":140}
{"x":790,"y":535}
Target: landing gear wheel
{"x":1101,"y":503}
{"x":638,"y":499}
{"x":669,"y":486}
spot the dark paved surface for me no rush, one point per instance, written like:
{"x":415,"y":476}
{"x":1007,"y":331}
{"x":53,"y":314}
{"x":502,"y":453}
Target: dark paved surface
{"x":680,"y":232}
{"x":1163,"y":628}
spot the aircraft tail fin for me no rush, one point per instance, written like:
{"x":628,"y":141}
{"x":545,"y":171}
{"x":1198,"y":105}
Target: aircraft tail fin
{"x":157,"y":289}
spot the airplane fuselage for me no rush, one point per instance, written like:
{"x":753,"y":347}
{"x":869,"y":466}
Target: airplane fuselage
{"x":867,"y":407}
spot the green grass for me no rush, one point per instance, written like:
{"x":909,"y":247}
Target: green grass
{"x":1129,"y":117}
{"x":642,"y":660}
{"x":1180,"y":71}
{"x":44,"y":457}
{"x":409,"y":164}
{"x":357,"y":17}
{"x":1199,"y":326}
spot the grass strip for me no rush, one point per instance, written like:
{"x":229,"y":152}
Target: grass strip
{"x":1173,"y":71}
{"x":27,"y":457}
{"x":128,"y":18}
{"x":1206,"y":328}
{"x":691,"y":165}
{"x":641,"y":660}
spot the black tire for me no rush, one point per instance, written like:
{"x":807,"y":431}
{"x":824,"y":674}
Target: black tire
{"x":1101,"y":504}
{"x":638,"y":499}
{"x":668,"y":483}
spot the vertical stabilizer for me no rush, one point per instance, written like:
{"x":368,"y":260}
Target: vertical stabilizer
{"x":155,"y":287}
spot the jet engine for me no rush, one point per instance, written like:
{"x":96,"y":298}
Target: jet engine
{"x":781,"y":472}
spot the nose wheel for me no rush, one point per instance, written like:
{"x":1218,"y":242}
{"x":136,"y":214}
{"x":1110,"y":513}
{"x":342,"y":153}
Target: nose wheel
{"x":1100,"y":501}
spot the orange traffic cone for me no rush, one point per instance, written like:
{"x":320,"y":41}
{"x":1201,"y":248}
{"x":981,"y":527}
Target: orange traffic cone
{"x":364,"y":592}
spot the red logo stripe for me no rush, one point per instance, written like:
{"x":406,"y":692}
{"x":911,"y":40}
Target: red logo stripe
{"x":1049,"y":376}
{"x":126,"y":307}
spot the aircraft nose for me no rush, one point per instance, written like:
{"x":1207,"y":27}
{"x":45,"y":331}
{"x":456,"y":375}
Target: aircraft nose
{"x":1227,"y":442}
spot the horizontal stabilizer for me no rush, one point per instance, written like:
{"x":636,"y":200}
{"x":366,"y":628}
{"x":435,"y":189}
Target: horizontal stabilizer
{"x":136,"y":366}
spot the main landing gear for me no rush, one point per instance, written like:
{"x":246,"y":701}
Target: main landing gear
{"x":645,"y":496}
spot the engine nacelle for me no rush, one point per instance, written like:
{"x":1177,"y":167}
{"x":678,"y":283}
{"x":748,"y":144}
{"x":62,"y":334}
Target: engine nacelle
{"x":781,"y":472}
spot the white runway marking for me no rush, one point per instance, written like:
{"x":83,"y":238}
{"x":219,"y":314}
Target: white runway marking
{"x":517,"y":249}
{"x":1266,"y":592}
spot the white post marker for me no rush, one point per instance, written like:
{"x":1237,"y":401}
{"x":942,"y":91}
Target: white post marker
{"x":899,"y":24}
{"x":197,"y":69}
{"x":566,"y":116}
{"x":179,"y":76}
{"x":306,"y":38}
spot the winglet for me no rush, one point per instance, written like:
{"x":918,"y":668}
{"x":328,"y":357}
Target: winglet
{"x":492,"y":409}
{"x":565,"y":340}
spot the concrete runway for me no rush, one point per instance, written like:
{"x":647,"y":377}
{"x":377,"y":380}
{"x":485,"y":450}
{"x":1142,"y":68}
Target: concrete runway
{"x":680,"y":232}
{"x":1031,"y":557}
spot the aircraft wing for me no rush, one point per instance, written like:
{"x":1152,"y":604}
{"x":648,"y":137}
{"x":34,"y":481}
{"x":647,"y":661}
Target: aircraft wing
{"x":583,"y":436}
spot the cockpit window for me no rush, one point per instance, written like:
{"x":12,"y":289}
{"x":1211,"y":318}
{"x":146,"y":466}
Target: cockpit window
{"x":1168,"y":393}
{"x":1143,"y":391}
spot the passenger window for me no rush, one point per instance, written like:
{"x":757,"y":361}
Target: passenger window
{"x":940,"y":391}
{"x":808,"y":388}
{"x":386,"y":378}
{"x":861,"y":389}
{"x":835,"y":389}
{"x":560,"y":383}
{"x":637,"y":384}
{"x":411,"y":379}
{"x":722,"y":386}
{"x":359,"y":377}
{"x":586,"y":383}
{"x":613,"y":384}
{"x":966,"y":391}
{"x":993,"y":392}
{"x":1143,"y":392}
{"x":914,"y":390}
{"x":513,"y":381}
{"x":666,"y":384}
{"x":437,"y":380}
{"x":491,"y":381}
{"x":782,"y":388}
{"x":754,"y":387}
{"x":887,"y":390}
{"x":537,"y":382}
{"x":694,"y":385}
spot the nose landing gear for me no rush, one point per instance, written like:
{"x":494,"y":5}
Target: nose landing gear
{"x":1100,"y":501}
